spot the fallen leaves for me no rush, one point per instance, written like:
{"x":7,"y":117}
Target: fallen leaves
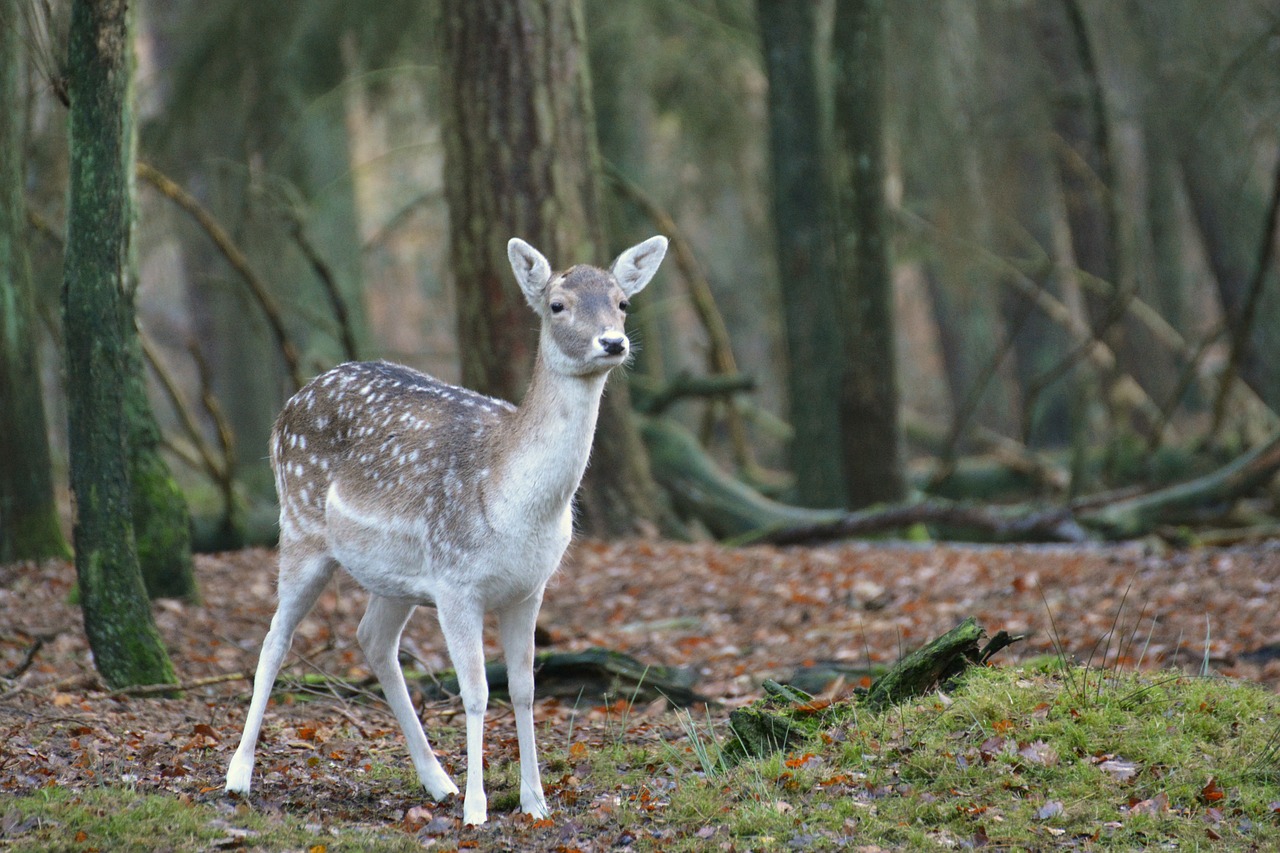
{"x":1153,"y":806}
{"x":1119,"y":769}
{"x":734,"y":616}
{"x":1050,"y":810}
{"x":1211,"y":793}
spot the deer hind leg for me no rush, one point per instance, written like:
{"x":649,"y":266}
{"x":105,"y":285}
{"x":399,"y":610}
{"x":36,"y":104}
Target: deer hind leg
{"x":462,"y":622}
{"x":517,"y":625}
{"x":379,"y":635}
{"x":303,"y":576}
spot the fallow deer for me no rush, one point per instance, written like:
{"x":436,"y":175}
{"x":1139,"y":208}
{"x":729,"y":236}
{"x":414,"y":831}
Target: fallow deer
{"x":427,"y":493}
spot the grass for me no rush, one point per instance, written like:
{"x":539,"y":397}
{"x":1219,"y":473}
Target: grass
{"x":120,"y":818}
{"x":1010,"y":757}
{"x":1020,"y":758}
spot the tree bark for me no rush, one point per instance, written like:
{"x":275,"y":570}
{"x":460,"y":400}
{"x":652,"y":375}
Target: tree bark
{"x":126,"y":645}
{"x":802,"y":216}
{"x":871,"y":433}
{"x":28,"y":512}
{"x":521,"y":160}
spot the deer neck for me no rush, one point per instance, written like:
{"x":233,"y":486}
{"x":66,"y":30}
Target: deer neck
{"x":549,"y":440}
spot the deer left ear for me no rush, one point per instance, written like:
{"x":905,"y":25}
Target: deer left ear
{"x":636,"y":266}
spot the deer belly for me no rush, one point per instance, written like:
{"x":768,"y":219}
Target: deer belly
{"x":386,"y":554}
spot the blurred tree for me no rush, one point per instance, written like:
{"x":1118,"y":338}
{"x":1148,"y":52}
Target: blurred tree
{"x":802,"y":219}
{"x":161,"y":519}
{"x":1020,"y":191}
{"x":126,"y":645}
{"x":1222,"y":90}
{"x":521,"y":159}
{"x":28,"y":512}
{"x":944,"y":135}
{"x":1093,"y":190}
{"x":872,"y":447}
{"x":255,"y":125}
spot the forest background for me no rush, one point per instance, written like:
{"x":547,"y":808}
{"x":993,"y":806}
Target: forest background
{"x":997,"y":270}
{"x":1016,"y":251}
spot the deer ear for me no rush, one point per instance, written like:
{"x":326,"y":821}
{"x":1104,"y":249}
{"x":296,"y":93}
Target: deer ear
{"x":531,"y":269}
{"x":637,"y":265}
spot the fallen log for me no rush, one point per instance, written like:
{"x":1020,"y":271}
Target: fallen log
{"x":787,"y":716}
{"x":593,"y":675}
{"x":737,"y":514}
{"x":1137,"y":515}
{"x":964,"y":521}
{"x":702,"y":490}
{"x":936,"y":663}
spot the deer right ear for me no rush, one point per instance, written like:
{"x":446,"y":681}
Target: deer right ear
{"x":531,"y":269}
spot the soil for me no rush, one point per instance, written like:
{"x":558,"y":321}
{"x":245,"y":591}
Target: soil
{"x":734,"y":617}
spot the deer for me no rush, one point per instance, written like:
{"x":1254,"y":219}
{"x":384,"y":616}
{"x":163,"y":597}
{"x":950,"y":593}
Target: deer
{"x":431,"y":494}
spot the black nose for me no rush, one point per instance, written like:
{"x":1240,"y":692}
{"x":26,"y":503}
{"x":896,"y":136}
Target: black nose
{"x":613,"y":346}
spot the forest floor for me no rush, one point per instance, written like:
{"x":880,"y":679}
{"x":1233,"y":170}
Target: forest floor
{"x":330,"y":762}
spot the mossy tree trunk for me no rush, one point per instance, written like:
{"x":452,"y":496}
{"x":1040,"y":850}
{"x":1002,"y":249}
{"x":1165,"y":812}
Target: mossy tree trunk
{"x":126,"y":645}
{"x":802,"y":215}
{"x":161,"y":519}
{"x":521,"y":159}
{"x":28,"y":512}
{"x":872,"y":445}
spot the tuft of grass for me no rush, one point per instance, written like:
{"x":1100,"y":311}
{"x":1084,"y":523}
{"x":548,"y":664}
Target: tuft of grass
{"x":702,"y":743}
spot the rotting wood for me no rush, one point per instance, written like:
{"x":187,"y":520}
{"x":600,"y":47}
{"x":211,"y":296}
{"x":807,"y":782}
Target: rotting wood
{"x":737,"y":514}
{"x":1140,"y":514}
{"x":788,"y":716}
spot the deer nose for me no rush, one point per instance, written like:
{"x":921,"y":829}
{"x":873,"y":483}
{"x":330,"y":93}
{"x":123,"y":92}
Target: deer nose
{"x":613,"y":343}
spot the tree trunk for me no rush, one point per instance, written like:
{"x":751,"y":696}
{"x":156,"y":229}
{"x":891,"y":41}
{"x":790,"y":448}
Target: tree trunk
{"x":521,"y":160}
{"x":126,"y":645}
{"x":1228,"y":207}
{"x":872,"y":447}
{"x":802,"y":216}
{"x":28,"y":513}
{"x":1085,"y":165}
{"x":1018,"y":179}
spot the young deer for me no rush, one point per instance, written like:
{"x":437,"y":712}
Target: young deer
{"x":427,"y":493}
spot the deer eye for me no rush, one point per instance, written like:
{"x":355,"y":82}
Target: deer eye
{"x":624,"y":305}
{"x":557,"y":307}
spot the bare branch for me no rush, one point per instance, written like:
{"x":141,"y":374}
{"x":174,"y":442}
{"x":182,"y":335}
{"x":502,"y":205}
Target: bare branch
{"x":1242,"y":326}
{"x":324,"y":272}
{"x":236,"y":258}
{"x":720,"y":354}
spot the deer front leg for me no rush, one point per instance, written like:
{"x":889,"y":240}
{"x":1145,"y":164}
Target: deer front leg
{"x":517,"y":625}
{"x":462,"y":623}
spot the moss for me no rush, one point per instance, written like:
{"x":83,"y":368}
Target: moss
{"x":162,"y":530}
{"x":127,"y":648}
{"x":161,"y":520}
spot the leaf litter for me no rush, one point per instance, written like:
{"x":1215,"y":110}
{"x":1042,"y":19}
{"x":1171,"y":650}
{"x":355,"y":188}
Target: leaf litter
{"x":733,"y":617}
